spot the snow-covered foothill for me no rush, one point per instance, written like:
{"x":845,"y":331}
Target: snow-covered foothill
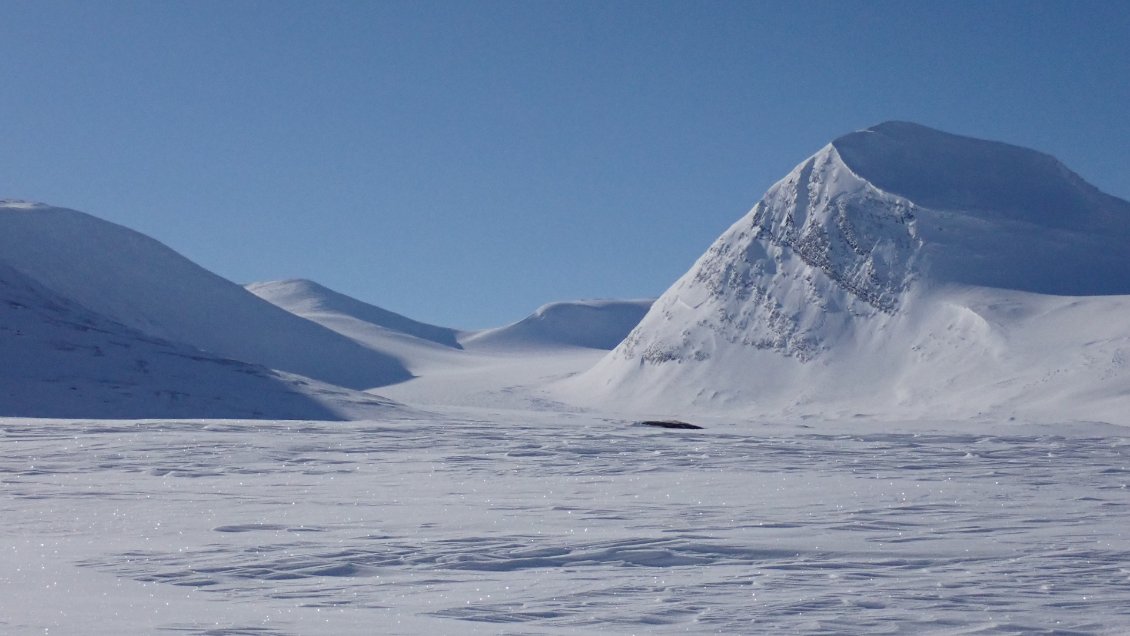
{"x":503,"y":367}
{"x":509,"y":367}
{"x":140,"y":283}
{"x":62,"y":360}
{"x":309,"y":299}
{"x":591,"y":324}
{"x":419,"y":347}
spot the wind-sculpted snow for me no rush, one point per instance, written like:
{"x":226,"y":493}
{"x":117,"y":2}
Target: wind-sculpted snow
{"x":544,"y":523}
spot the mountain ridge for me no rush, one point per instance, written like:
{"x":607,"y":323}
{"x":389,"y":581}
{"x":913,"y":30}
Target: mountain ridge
{"x":304,"y":297}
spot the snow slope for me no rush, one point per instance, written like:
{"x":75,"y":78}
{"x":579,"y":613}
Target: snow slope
{"x":309,"y":299}
{"x":134,"y":280}
{"x":509,"y":367}
{"x":899,"y":270}
{"x":997,"y":215}
{"x":504,"y":367}
{"x":418,"y":347}
{"x":62,"y":360}
{"x":593,"y":324}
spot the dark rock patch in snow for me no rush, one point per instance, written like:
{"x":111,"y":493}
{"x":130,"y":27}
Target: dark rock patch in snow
{"x":676,"y":424}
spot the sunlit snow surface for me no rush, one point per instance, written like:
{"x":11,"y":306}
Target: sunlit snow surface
{"x":496,"y":522}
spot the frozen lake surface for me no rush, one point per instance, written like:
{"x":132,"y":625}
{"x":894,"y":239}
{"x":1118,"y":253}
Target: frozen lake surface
{"x":510,"y":522}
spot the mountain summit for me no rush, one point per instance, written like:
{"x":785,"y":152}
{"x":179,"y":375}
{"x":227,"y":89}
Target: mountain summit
{"x":846,"y":273}
{"x":995,"y":214}
{"x":943,"y":171}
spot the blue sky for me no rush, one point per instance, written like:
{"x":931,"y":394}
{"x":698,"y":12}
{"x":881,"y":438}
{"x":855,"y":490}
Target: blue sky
{"x":465,"y":162}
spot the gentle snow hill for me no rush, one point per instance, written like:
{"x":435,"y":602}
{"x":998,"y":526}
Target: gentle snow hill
{"x":62,"y":360}
{"x":142,"y":284}
{"x":307,"y":298}
{"x":504,"y":367}
{"x":592,"y":324}
{"x":899,"y":271}
{"x":419,"y":347}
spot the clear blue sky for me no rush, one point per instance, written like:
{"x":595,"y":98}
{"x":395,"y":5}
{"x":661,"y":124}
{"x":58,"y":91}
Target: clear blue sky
{"x":465,"y":162}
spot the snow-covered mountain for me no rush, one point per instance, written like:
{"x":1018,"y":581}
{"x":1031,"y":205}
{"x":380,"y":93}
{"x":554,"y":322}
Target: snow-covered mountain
{"x":62,"y":360}
{"x":593,"y":324}
{"x":899,"y":270}
{"x":134,"y":280}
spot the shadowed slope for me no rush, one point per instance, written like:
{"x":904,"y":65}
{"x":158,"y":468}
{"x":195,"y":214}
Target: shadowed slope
{"x":135,"y":280}
{"x":62,"y":360}
{"x":305,"y":298}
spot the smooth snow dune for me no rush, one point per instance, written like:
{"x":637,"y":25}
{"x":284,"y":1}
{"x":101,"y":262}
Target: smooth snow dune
{"x":420,"y":348}
{"x":135,"y":280}
{"x":62,"y":360}
{"x":309,"y":299}
{"x":541,"y":523}
{"x":871,"y":279}
{"x":593,"y":324}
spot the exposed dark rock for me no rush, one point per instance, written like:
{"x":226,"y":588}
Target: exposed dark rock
{"x":668,"y":424}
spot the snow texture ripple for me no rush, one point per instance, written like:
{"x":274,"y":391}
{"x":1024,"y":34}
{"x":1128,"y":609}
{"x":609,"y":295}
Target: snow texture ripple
{"x":560,"y":523}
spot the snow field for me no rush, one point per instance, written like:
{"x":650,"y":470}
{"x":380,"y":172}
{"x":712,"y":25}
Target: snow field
{"x":485,"y":521}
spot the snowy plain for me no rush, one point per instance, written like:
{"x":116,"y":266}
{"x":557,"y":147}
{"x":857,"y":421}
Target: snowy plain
{"x":507,"y":521}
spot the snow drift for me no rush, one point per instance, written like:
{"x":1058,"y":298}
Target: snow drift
{"x":899,"y":270}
